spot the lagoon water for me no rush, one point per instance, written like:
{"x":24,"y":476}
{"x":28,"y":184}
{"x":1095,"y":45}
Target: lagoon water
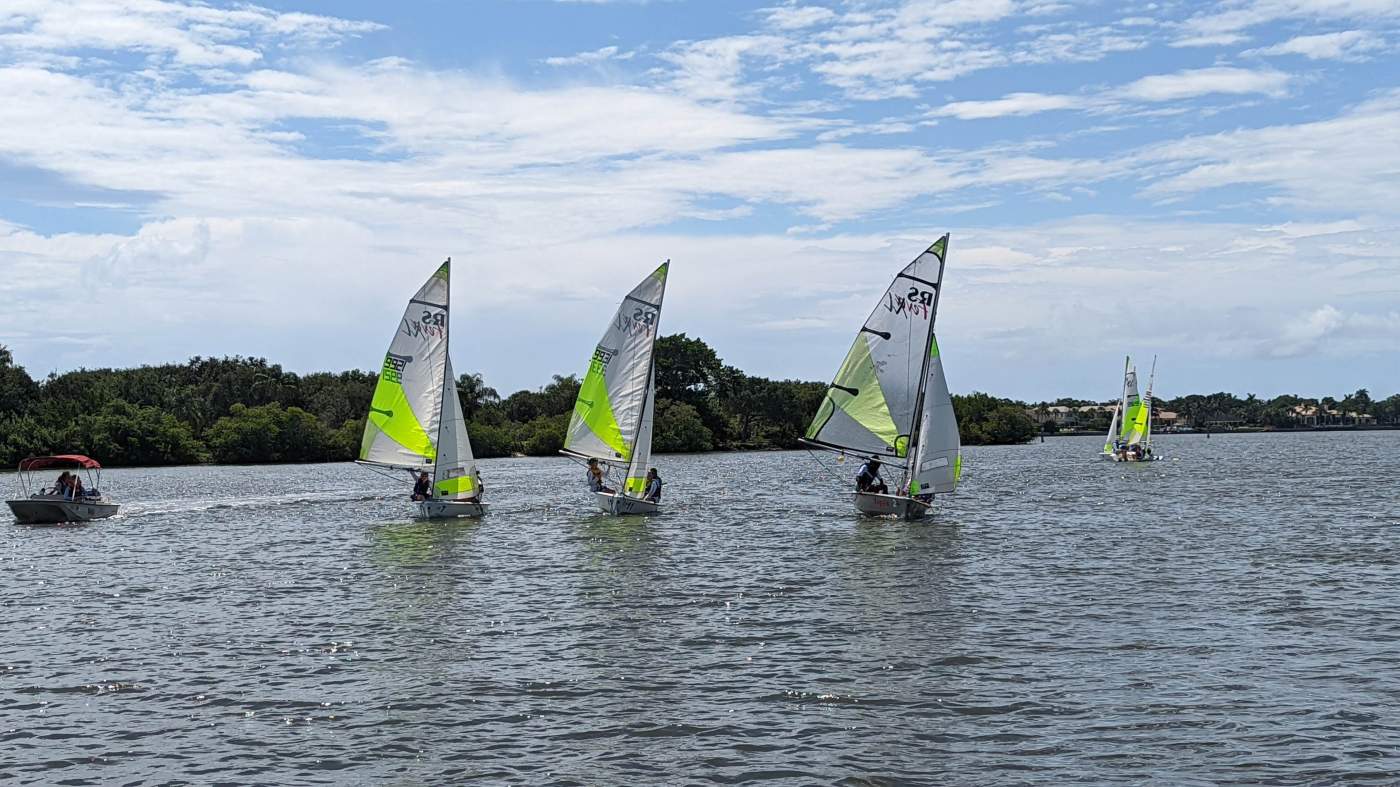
{"x":1231,"y":615}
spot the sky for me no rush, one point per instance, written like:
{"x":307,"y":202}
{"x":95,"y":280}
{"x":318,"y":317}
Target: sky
{"x":1215,"y":184}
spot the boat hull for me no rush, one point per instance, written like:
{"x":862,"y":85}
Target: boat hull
{"x":622,"y":505}
{"x":41,"y":511}
{"x":908,"y":508}
{"x":450,"y":509}
{"x":1117,"y":458}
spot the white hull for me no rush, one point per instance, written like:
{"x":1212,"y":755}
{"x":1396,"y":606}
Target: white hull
{"x":46,"y":510}
{"x":611,"y":503}
{"x":1114,"y":457}
{"x":899,"y":506}
{"x":449,"y":509}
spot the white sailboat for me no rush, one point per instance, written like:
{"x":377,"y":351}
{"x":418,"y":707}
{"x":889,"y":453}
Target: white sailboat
{"x":612,"y":418}
{"x":890,"y":399}
{"x":415,"y":419}
{"x":1132,"y":441}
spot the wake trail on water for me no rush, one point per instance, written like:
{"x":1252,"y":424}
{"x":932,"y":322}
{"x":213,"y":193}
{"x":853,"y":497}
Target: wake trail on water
{"x":140,"y":508}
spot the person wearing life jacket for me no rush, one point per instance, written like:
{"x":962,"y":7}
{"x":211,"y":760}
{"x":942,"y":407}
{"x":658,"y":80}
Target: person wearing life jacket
{"x":423,"y":487}
{"x":868,"y":479}
{"x":653,"y":489}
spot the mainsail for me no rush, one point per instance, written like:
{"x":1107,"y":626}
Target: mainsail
{"x":407,"y":408}
{"x":891,"y":390}
{"x":1134,"y":411}
{"x":612,"y":416}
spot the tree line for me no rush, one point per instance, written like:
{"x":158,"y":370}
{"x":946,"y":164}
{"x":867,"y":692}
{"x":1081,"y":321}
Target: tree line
{"x":247,"y":410}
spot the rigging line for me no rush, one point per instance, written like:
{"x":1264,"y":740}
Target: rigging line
{"x":836,"y":478}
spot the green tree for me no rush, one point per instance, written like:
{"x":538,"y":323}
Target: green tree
{"x":17,"y":389}
{"x":678,"y":428}
{"x":270,"y":433}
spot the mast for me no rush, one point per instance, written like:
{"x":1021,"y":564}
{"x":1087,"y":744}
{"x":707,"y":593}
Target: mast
{"x":911,"y":463}
{"x":651,"y":381}
{"x":1151,"y":377}
{"x":447,"y":353}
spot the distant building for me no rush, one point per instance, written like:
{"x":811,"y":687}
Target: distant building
{"x":1314,"y":415}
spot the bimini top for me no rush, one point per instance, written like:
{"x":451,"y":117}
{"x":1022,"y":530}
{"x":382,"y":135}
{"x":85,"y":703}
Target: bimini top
{"x":62,"y":460}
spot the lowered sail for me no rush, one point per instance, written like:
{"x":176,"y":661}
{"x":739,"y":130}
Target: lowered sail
{"x":869,"y":407}
{"x":608,"y":416}
{"x":454,"y":474}
{"x":939,"y":452}
{"x":402,"y":428}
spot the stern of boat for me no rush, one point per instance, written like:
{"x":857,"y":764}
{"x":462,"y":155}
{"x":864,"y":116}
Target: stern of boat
{"x":897,"y":506}
{"x":622,"y":505}
{"x":450,"y":509}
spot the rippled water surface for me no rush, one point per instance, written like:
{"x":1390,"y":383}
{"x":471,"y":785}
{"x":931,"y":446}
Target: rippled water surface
{"x":1230,"y":615}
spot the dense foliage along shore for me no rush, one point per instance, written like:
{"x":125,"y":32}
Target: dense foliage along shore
{"x":247,"y":410}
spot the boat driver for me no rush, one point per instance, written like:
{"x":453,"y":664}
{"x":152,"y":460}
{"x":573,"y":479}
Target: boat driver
{"x":868,"y":479}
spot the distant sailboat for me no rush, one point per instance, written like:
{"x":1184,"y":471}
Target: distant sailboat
{"x":890,"y":398}
{"x":415,"y":419}
{"x":612,"y":419}
{"x":1132,"y":441}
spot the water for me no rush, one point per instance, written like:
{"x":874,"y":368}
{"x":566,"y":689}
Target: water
{"x":1229,"y":616}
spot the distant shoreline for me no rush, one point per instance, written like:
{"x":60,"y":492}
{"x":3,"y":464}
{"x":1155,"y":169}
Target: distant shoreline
{"x":1244,"y":430}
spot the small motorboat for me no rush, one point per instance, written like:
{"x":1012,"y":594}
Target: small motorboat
{"x":54,"y":505}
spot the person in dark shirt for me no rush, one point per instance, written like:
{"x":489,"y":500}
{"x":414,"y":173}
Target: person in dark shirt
{"x":653,"y":491}
{"x":423,"y":488}
{"x":868,"y":479}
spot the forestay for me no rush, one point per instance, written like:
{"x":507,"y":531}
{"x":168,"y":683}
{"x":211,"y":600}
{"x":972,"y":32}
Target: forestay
{"x":608,"y":419}
{"x":869,"y":407}
{"x":407,"y":407}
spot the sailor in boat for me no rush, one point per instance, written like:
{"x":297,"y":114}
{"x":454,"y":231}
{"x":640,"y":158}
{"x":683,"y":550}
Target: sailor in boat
{"x":653,"y":490}
{"x":595,"y":477}
{"x":423,"y":487}
{"x":868,"y":479}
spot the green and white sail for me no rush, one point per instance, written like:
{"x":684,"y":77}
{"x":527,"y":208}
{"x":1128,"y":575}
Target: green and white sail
{"x":406,"y":411}
{"x":636,"y":484}
{"x":1134,"y":427}
{"x":611,"y":418}
{"x":939,"y":450}
{"x":869,"y":407}
{"x":454,"y":472}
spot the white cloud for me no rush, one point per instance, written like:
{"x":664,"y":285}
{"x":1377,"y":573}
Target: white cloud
{"x":1013,"y":104}
{"x":187,"y":34}
{"x":1236,"y":15}
{"x":796,"y":17}
{"x":1326,"y":165}
{"x":1204,"y":81}
{"x":1346,"y":45}
{"x":590,"y":58}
